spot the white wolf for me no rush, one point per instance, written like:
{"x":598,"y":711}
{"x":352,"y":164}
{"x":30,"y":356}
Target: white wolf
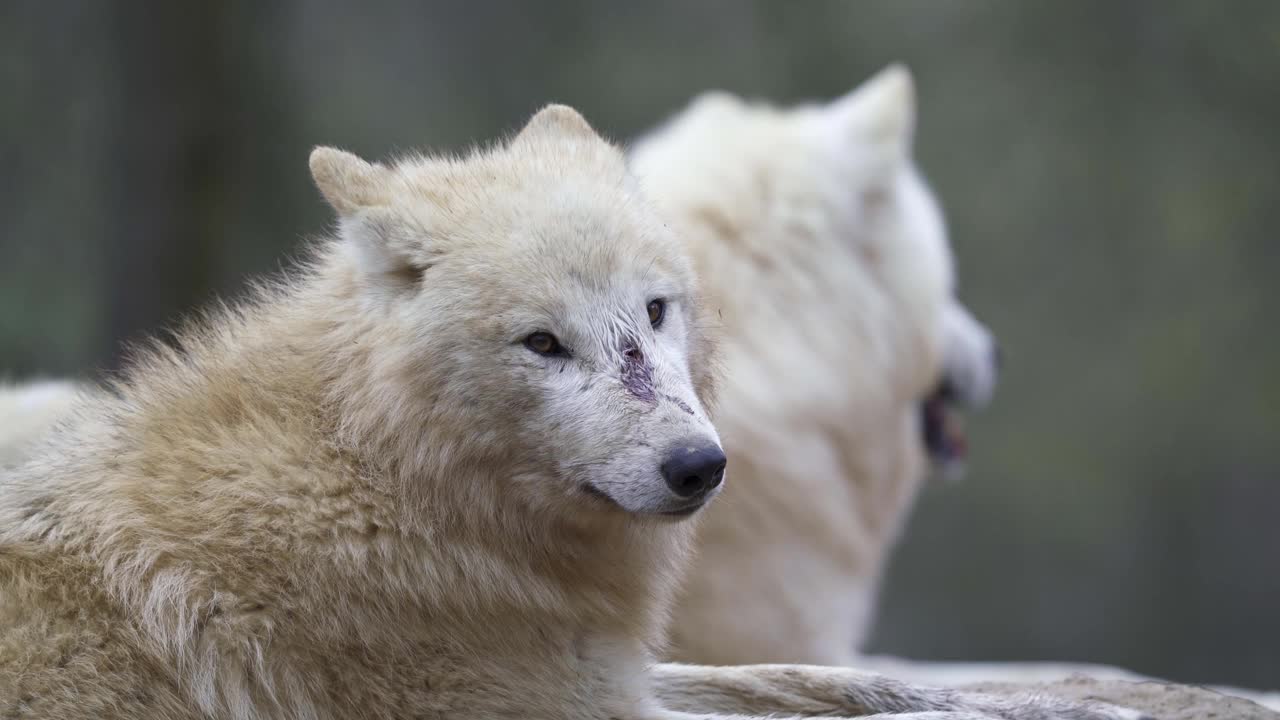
{"x":445,"y":470}
{"x":826,"y":256}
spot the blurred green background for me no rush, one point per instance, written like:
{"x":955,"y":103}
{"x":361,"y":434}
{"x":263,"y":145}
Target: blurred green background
{"x":1111,"y":171}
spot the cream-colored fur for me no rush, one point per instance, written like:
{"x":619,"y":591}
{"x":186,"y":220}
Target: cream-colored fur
{"x":826,"y":256}
{"x":28,"y":411}
{"x":364,"y":495}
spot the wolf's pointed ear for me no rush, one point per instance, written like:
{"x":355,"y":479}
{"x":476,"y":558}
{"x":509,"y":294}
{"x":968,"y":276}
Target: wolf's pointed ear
{"x":347,"y":182}
{"x":383,"y":248}
{"x":880,"y":111}
{"x":557,"y":121}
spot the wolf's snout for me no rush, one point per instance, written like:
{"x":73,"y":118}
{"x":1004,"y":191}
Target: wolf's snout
{"x":970,"y":370}
{"x":692,"y":471}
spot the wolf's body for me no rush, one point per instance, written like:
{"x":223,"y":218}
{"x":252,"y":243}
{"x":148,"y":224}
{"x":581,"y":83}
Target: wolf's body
{"x":826,"y":256}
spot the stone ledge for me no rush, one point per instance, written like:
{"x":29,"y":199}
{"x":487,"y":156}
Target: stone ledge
{"x":1163,"y":700}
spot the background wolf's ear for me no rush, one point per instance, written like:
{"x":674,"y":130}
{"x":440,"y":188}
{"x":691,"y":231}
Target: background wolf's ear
{"x":347,"y":182}
{"x":557,"y":121}
{"x":880,"y":112}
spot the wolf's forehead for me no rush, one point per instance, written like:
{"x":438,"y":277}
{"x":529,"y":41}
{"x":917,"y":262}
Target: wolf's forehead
{"x":598,"y":245}
{"x":595,"y":233}
{"x":600,"y":269}
{"x":559,"y":275}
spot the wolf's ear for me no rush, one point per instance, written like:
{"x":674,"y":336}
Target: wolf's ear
{"x":880,"y":112}
{"x":347,"y":182}
{"x":557,"y":121}
{"x":381,"y":242}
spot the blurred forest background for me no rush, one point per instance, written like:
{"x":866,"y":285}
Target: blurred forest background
{"x":1111,"y":172}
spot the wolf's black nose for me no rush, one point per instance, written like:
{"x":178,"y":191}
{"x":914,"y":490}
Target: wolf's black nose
{"x":691,"y":471}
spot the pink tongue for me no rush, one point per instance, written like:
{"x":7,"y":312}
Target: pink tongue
{"x":953,"y":429}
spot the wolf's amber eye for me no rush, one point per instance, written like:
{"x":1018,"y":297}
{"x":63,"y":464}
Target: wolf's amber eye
{"x":544,"y":344}
{"x":657,"y":310}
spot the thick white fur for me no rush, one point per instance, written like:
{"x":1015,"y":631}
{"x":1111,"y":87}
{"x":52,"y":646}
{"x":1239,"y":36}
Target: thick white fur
{"x":361,"y":496}
{"x":969,"y":357}
{"x":826,"y":256}
{"x":28,"y":412}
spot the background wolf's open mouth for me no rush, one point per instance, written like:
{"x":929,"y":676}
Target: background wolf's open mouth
{"x":943,"y":431}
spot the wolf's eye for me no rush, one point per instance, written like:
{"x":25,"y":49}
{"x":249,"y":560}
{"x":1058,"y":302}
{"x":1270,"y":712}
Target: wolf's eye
{"x":657,"y":310}
{"x":544,"y":343}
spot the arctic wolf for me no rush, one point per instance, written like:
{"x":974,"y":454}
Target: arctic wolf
{"x":446,"y":469}
{"x":826,"y":257}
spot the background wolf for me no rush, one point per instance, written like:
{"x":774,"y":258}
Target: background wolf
{"x":826,"y":257}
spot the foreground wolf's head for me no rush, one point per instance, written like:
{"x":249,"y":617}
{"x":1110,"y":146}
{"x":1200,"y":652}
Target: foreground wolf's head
{"x":524,"y":310}
{"x":826,"y":202}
